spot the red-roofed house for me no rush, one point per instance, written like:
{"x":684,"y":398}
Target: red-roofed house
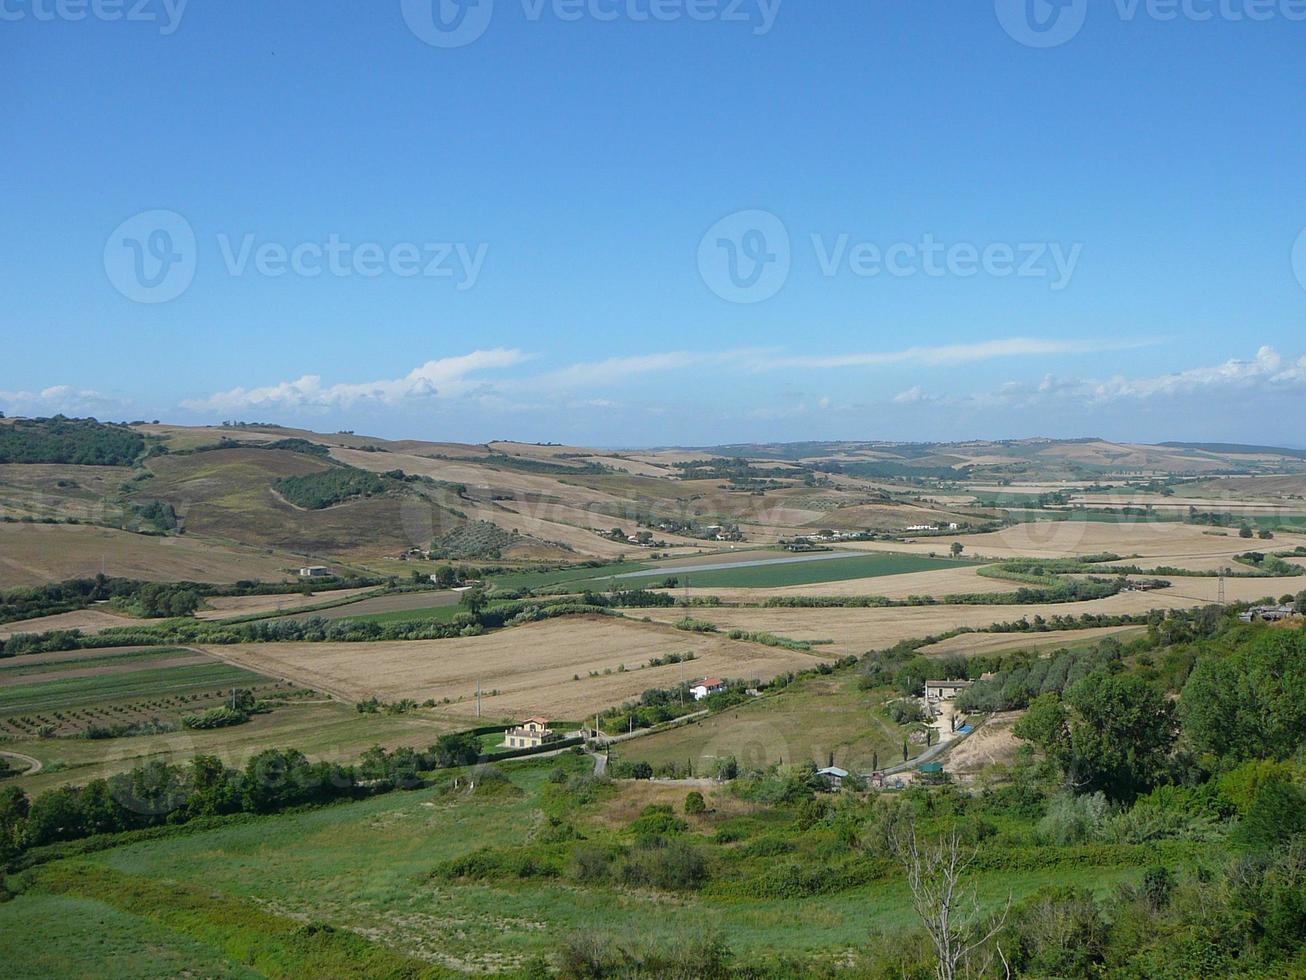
{"x":708,"y":685}
{"x":530,"y":734}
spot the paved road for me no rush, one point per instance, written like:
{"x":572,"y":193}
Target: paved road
{"x":34,"y":765}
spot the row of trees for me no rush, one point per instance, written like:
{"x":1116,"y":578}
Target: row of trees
{"x":158,"y":794}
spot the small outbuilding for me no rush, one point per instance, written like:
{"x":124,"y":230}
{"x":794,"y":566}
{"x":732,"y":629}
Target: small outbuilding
{"x":833,"y":776}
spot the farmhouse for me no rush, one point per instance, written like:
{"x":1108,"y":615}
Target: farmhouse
{"x":531,"y":734}
{"x":833,"y":776}
{"x":314,"y":571}
{"x":944,"y":690}
{"x":708,"y":685}
{"x":1269,"y":614}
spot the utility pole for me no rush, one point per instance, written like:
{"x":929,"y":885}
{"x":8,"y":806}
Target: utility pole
{"x":1220,"y":596}
{"x":478,"y":697}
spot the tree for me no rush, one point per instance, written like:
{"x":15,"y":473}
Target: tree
{"x":694,"y":803}
{"x":948,"y":907}
{"x":455,"y":749}
{"x":1115,"y":737}
{"x":1245,"y":531}
{"x":1250,"y":704}
{"x":957,"y":549}
{"x":473,"y":600}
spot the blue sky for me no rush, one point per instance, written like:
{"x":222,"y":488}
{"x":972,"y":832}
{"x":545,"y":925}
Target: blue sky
{"x":306,"y":213}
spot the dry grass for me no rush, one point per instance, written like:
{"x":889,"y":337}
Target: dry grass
{"x":1161,"y":543}
{"x":227,"y":607}
{"x":532,"y":668}
{"x":34,"y":553}
{"x":89,"y":621}
{"x":992,"y":744}
{"x":855,"y":631}
{"x":971,"y":643}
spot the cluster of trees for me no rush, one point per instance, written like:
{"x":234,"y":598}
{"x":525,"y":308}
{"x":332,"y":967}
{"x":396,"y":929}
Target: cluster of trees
{"x":317,"y":491}
{"x":158,"y":794}
{"x":81,"y":442}
{"x":1026,"y":678}
{"x":31,"y":602}
{"x":155,"y":600}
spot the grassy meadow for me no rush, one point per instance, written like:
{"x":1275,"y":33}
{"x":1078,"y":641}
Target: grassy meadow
{"x":813,"y":718}
{"x":378,"y":868}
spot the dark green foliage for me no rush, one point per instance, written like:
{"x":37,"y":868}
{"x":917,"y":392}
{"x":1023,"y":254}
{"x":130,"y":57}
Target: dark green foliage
{"x":1112,"y":734}
{"x":81,"y":442}
{"x":317,"y":491}
{"x":155,"y":600}
{"x":461,"y":749}
{"x":1252,"y":703}
{"x":222,"y":716}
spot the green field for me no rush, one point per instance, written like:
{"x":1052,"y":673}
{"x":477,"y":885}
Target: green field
{"x":368,"y":867}
{"x":777,"y":575}
{"x":71,"y":693}
{"x":810,"y":720}
{"x":320,"y":730}
{"x":560,"y":576}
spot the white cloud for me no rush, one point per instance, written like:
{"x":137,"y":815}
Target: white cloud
{"x":1267,"y":371}
{"x":449,"y":377}
{"x":60,"y":399}
{"x":615,"y":369}
{"x":952,"y":354}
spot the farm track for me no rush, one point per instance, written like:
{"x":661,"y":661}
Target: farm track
{"x":34,"y":765}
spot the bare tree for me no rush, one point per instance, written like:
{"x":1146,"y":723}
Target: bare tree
{"x":947,"y":904}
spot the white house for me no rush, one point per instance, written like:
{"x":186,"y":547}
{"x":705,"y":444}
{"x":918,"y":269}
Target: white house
{"x":314,"y":571}
{"x":708,"y":685}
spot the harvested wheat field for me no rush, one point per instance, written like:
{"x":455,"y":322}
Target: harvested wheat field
{"x":89,"y":621}
{"x":971,"y":644}
{"x":855,"y":631}
{"x":522,"y":671}
{"x":227,"y":607}
{"x":31,"y":554}
{"x":1156,"y":541}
